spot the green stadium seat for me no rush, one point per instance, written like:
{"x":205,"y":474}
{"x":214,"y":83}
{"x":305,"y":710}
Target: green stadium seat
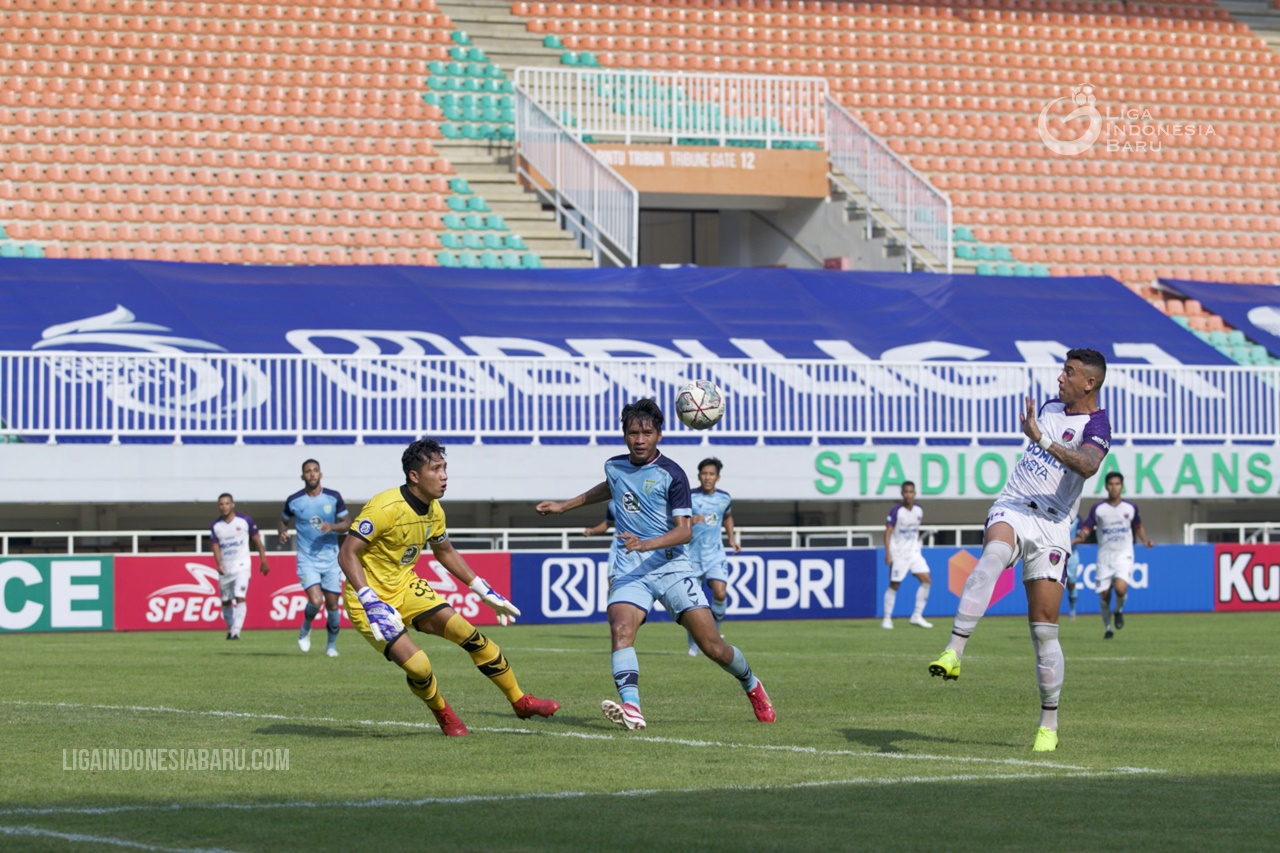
{"x":1235,"y":338}
{"x":1217,"y":339}
{"x":447,"y":259}
{"x":1040,"y":270}
{"x":1258,"y":354}
{"x":552,"y":41}
{"x":32,"y":250}
{"x":458,"y":53}
{"x":1004,"y":269}
{"x":454,"y":222}
{"x":449,"y":130}
{"x":1182,"y":320}
{"x":468,"y":261}
{"x":490,"y":261}
{"x":432,"y":98}
{"x":460,"y":37}
{"x":965,"y":252}
{"x":494,"y":222}
{"x":493,"y":241}
{"x":588,"y":60}
{"x":515,"y":241}
{"x":530,"y":261}
{"x":451,"y":240}
{"x":1022,"y":270}
{"x":10,"y":250}
{"x":3,"y":234}
{"x":478,"y":69}
{"x":506,"y":131}
{"x":983,"y":252}
{"x":478,"y":204}
{"x":440,"y":84}
{"x":454,"y":113}
{"x":963,"y":234}
{"x":493,"y":115}
{"x":460,"y":186}
{"x":475,"y":54}
{"x":569,"y":58}
{"x":472,"y":241}
{"x":1004,"y":253}
{"x":468,"y":84}
{"x":511,"y":261}
{"x":456,"y":203}
{"x":1201,"y":334}
{"x":985,"y":268}
{"x":1240,"y":354}
{"x":475,"y":222}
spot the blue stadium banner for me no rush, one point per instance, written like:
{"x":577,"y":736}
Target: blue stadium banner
{"x":1252,"y":308}
{"x":1166,"y":579}
{"x":573,"y":586}
{"x":648,"y":312}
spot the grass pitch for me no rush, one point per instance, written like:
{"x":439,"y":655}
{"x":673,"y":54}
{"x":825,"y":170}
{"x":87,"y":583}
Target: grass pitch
{"x":1169,"y":742}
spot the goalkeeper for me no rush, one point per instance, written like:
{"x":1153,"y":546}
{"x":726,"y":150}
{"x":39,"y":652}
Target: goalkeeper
{"x":383,"y":594}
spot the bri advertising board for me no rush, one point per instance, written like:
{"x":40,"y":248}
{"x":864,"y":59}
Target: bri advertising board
{"x":1166,"y":579}
{"x":568,"y":587}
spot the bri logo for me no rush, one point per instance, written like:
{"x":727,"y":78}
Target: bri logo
{"x":573,"y":587}
{"x":757,"y":584}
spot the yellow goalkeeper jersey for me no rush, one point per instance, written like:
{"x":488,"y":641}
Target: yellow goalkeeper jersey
{"x":396,"y":526}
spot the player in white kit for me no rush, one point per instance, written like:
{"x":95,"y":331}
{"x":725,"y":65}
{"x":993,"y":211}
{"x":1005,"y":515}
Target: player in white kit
{"x":902,"y":555}
{"x":1115,"y":521}
{"x":1031,"y":521}
{"x":229,"y":538}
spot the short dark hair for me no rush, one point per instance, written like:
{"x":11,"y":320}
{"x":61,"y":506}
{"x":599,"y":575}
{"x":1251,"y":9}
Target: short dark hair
{"x":1115,"y":474}
{"x":1090,"y":358}
{"x":645,"y":409}
{"x":906,"y":483}
{"x":420,"y":452}
{"x":711,"y":460}
{"x":226,"y":495}
{"x":307,"y":462}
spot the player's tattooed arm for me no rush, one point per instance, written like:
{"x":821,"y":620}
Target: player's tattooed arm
{"x":1085,"y":461}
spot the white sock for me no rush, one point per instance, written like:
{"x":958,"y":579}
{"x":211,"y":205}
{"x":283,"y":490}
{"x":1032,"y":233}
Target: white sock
{"x":239,"y":617}
{"x":1106,"y":614}
{"x":1120,"y":599}
{"x":890,"y":598}
{"x":228,"y":614}
{"x":996,"y":557}
{"x":1050,"y":670}
{"x":922,"y":595}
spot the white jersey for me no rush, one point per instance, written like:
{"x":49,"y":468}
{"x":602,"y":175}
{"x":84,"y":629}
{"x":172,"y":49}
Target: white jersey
{"x":904,"y":541}
{"x":1114,"y":526}
{"x":1042,"y":482}
{"x":234,"y":538}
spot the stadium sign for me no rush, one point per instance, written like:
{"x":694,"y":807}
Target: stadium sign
{"x":55,"y":594}
{"x":1247,"y":577}
{"x":975,"y":472}
{"x":682,"y":170}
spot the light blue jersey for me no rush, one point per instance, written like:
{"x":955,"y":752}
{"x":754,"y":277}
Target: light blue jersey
{"x":706,"y":549}
{"x":1073,"y":562}
{"x":646,"y":501}
{"x":317,"y":552}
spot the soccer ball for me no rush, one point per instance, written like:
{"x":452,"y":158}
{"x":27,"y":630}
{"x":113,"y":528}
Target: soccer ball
{"x":700,"y":405}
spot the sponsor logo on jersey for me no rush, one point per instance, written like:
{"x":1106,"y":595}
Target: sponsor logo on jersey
{"x":630,"y":503}
{"x":410,"y":555}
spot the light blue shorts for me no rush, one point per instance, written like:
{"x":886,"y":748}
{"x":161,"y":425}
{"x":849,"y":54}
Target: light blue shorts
{"x":712,"y":570}
{"x":679,"y":590}
{"x":330,"y":579}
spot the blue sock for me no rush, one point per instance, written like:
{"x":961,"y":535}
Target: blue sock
{"x":718,"y":608}
{"x":331,"y":625}
{"x":308,"y":615}
{"x":626,"y":674}
{"x":739,"y":669}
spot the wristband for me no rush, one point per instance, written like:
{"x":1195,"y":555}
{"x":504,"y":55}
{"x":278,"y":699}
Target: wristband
{"x":1044,"y":441}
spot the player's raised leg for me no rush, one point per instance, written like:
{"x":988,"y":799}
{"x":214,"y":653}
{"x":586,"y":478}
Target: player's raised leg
{"x":702,"y":625}
{"x":997,"y":555}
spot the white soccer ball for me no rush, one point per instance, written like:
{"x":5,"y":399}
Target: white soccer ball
{"x":700,"y":404}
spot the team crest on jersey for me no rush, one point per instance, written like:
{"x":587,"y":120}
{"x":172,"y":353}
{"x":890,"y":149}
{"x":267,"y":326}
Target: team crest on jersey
{"x":365,"y":527}
{"x":1055,"y":557}
{"x":649,"y":486}
{"x":1069,"y":434}
{"x":630,"y":503}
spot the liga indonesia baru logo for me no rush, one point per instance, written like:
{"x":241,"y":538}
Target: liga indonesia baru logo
{"x":1127,"y":129}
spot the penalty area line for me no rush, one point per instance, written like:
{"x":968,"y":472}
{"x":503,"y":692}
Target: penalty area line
{"x":704,"y":744}
{"x":551,"y":795}
{"x":80,"y":838}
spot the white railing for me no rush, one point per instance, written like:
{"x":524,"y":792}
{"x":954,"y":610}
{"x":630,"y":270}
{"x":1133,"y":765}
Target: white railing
{"x":46,"y":396}
{"x":680,"y":107}
{"x":916,"y":205}
{"x":1246,"y":533}
{"x":470,"y":539}
{"x":589,"y":197}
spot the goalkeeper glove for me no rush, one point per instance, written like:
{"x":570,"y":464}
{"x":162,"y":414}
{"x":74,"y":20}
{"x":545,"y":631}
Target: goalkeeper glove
{"x":384,"y":622}
{"x":507,"y":612}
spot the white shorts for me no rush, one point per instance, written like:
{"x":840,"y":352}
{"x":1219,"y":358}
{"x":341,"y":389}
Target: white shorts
{"x":1114,"y":569}
{"x":234,"y":584}
{"x":1043,"y":543}
{"x":913,"y":563}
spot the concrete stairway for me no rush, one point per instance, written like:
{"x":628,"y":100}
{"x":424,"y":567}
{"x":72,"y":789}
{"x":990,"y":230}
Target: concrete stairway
{"x":488,"y":167}
{"x":1261,"y":16}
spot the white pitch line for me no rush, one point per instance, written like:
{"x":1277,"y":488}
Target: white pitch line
{"x":420,"y":724}
{"x":77,"y":838}
{"x":558,"y":795}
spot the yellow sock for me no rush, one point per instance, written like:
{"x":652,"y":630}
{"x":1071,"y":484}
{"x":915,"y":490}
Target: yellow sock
{"x":485,"y":654}
{"x":421,"y":681}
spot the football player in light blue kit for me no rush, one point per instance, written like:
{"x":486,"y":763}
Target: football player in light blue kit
{"x":319,"y":515}
{"x":712,"y":509}
{"x":650,"y":501}
{"x":1073,"y":572}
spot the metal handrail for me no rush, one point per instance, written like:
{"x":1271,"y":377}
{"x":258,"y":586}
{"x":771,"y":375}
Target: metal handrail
{"x":913,"y":203}
{"x":1247,"y":532}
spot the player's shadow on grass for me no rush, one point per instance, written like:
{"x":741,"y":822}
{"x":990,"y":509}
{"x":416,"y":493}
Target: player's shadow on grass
{"x":887,"y":740}
{"x":320,"y":731}
{"x":239,"y":654}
